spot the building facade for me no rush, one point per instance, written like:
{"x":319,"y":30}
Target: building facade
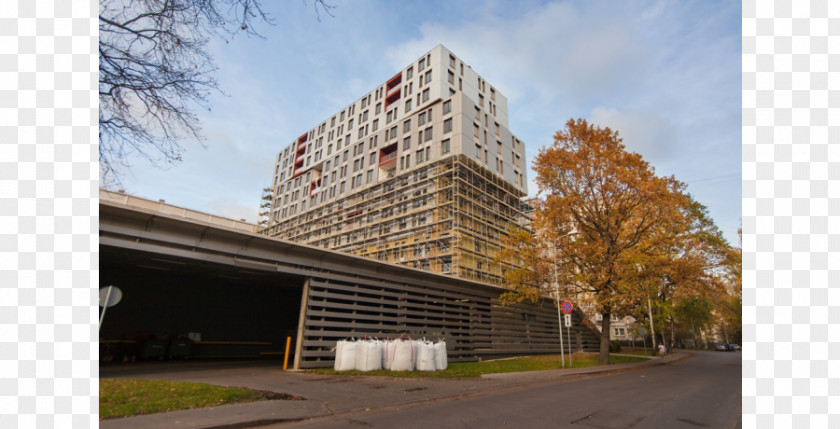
{"x":421,"y":171}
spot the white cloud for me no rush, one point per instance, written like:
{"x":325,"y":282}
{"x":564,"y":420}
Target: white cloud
{"x":646,"y":133}
{"x":665,"y":74}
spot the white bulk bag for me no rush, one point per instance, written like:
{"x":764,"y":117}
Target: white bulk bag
{"x":425,"y":356}
{"x":387,"y":352}
{"x":440,"y":355}
{"x":345,"y":355}
{"x":402,"y":356}
{"x":369,"y":356}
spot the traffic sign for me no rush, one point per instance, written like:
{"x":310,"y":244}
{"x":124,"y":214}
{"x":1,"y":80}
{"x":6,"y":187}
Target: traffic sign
{"x":567,"y":320}
{"x":109,"y":296}
{"x":566,"y":307}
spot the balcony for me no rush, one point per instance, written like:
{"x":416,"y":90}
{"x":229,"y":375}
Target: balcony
{"x":387,"y":158}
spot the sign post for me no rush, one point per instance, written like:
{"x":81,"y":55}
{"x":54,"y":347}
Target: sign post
{"x":567,"y":308}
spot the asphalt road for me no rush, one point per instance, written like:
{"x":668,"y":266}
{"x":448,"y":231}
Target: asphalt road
{"x":701,"y":391}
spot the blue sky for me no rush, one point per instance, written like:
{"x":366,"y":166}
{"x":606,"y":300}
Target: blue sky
{"x":665,"y":74}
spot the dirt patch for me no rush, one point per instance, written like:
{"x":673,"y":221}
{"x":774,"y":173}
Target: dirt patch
{"x":265,"y":394}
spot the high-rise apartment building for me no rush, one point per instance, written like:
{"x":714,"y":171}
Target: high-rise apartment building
{"x":422,"y":171}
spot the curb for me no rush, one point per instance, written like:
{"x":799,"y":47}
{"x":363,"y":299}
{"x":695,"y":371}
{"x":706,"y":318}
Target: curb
{"x":674,"y":357}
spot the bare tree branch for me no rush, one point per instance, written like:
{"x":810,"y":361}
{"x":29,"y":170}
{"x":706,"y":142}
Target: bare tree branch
{"x":154,"y":71}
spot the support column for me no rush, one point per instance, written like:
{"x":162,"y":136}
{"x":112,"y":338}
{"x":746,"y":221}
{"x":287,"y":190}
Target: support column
{"x":304,"y":301}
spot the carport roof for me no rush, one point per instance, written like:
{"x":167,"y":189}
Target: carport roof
{"x":131,"y":222}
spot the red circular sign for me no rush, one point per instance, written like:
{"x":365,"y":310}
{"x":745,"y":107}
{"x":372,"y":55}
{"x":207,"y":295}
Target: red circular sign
{"x":566,"y":307}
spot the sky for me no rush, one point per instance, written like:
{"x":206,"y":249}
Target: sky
{"x":665,"y":74}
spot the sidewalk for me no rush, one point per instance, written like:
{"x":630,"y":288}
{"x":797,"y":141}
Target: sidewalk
{"x":324,"y":395}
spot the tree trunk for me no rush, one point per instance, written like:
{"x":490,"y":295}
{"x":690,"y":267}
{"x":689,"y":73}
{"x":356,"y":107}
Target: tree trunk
{"x":673,"y":339}
{"x":652,"y":331}
{"x":604,"y":357}
{"x":694,"y":331}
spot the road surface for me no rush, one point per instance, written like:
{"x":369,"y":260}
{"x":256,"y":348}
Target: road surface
{"x":703,"y":391}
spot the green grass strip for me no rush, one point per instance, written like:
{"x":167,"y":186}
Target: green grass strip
{"x":131,"y":397}
{"x":477,"y":369}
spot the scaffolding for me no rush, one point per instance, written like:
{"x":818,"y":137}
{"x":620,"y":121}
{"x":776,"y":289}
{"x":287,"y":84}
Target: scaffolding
{"x":448,"y":217}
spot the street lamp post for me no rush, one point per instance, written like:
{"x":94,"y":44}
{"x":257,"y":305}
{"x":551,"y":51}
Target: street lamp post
{"x":559,"y":316}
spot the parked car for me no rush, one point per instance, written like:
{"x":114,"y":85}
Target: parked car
{"x":722,"y":347}
{"x":735,"y":347}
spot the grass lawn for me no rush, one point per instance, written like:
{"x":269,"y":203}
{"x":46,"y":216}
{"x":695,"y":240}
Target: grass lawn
{"x":476,"y":369}
{"x":129,"y":397}
{"x":132,"y":397}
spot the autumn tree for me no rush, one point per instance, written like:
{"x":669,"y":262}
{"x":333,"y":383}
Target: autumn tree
{"x":598,"y":205}
{"x":681,"y":266}
{"x":528,"y":280}
{"x":155,"y":70}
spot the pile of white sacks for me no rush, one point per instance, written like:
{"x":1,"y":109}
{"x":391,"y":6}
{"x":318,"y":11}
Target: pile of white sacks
{"x":394,"y":355}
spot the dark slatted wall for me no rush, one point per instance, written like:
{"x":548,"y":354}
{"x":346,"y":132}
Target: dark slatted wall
{"x":471,"y":321}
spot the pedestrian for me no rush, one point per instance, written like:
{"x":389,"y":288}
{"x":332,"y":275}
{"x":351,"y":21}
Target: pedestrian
{"x":662,"y":350}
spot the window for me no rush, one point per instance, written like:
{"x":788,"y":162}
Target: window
{"x":451,"y":61}
{"x":378,"y":108}
{"x":421,"y":118}
{"x":428,"y":76}
{"x":375,"y":124}
{"x":408,"y":105}
{"x":409,"y":73}
{"x":619,"y":332}
{"x":350,"y":124}
{"x":426,"y":94}
{"x":444,"y":147}
{"x":420,"y":156}
{"x":450,"y":77}
{"x":370,"y":176}
{"x":407,"y":143}
{"x":393,"y":132}
{"x":407,"y":126}
{"x":447,"y":106}
{"x":447,"y":125}
{"x":421,"y":65}
{"x":428,"y":134}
